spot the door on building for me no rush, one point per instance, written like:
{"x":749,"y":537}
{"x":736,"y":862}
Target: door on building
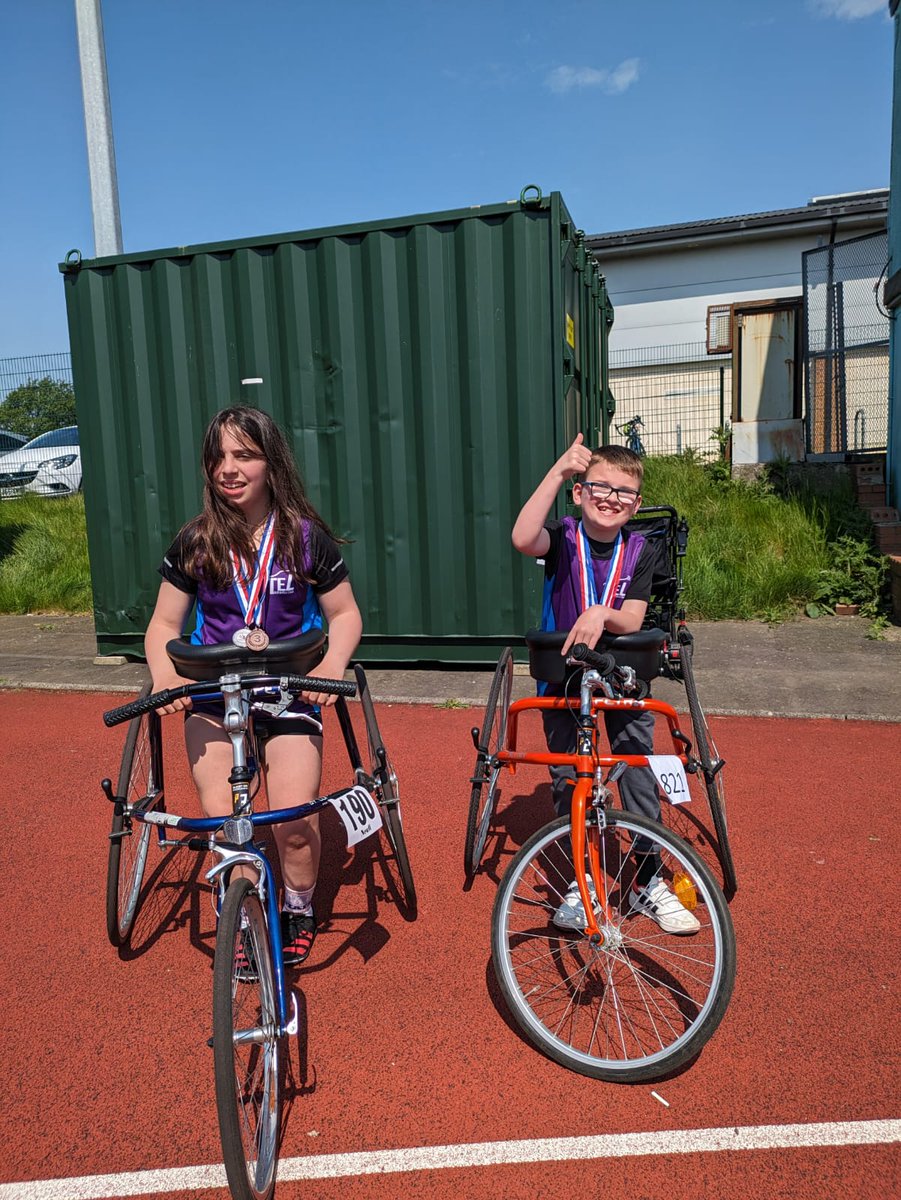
{"x":766,"y":381}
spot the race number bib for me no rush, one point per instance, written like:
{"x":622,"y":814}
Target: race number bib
{"x":358,"y":811}
{"x":670,"y":774}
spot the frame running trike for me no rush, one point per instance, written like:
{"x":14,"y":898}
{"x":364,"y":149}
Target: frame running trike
{"x":616,"y":998}
{"x":664,"y":647}
{"x":254,"y":1009}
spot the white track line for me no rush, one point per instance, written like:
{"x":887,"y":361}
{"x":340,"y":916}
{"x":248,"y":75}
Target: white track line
{"x":478,"y":1154}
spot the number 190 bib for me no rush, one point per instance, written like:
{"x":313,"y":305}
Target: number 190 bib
{"x":359,"y":812}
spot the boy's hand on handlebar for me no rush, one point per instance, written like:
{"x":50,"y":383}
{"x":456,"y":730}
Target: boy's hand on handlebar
{"x":574,"y":461}
{"x":588,"y":628}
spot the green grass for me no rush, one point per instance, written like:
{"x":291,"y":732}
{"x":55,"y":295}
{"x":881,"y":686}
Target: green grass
{"x":755,"y":551}
{"x":44,"y":556}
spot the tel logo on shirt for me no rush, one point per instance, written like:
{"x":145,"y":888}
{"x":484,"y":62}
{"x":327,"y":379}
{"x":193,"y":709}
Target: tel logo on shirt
{"x":281,"y":584}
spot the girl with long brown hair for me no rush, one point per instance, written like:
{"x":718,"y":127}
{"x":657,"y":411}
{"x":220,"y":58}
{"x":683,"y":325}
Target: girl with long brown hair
{"x":258,"y":562}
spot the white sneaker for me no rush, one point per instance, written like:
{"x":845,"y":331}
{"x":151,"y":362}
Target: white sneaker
{"x":571,"y":913}
{"x":656,"y":901}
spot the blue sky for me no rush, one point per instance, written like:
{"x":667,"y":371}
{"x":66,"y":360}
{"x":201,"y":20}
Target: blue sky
{"x":236,"y":118}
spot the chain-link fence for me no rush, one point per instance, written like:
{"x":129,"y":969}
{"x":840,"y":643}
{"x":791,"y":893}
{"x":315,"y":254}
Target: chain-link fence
{"x":846,"y":346}
{"x":681,"y":396}
{"x":16,"y":372}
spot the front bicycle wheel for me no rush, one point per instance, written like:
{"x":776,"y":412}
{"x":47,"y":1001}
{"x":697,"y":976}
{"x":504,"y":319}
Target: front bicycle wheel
{"x":642,"y":1002}
{"x":711,"y":767}
{"x":387,"y":791}
{"x":246,"y":1045}
{"x":492,"y":738}
{"x":140,"y":783}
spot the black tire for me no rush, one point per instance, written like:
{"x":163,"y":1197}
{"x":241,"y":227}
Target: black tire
{"x":484,"y":795}
{"x":711,"y":765}
{"x":643,"y":1002}
{"x":140,"y":776}
{"x":246,"y":1048}
{"x":383,"y":781}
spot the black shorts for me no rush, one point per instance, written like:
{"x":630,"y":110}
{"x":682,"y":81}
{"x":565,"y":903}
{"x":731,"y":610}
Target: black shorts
{"x":265,"y":725}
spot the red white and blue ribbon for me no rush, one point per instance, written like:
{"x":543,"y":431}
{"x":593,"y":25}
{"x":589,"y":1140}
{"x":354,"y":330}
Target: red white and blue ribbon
{"x":588,"y":592}
{"x":250,"y":584}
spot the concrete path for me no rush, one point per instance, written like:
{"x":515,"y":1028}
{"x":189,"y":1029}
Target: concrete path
{"x":803,"y":668}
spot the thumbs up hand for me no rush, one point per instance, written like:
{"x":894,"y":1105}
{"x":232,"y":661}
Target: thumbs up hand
{"x":575,"y":460}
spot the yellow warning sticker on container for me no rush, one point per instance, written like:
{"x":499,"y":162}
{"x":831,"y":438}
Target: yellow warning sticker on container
{"x":570,"y":331}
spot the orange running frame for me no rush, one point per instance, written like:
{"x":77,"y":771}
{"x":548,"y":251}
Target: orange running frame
{"x":587,"y":767}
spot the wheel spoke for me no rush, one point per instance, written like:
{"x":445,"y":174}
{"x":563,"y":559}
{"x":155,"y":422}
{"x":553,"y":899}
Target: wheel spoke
{"x":140,"y":783}
{"x":246,"y":1046}
{"x":492,"y":738}
{"x":387,"y":793}
{"x":639,"y":1002}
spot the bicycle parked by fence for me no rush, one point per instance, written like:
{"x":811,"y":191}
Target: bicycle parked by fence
{"x":630,"y":431}
{"x":254,"y":1010}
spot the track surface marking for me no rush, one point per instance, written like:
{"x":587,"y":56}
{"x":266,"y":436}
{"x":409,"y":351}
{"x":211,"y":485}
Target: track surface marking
{"x":406,"y":1041}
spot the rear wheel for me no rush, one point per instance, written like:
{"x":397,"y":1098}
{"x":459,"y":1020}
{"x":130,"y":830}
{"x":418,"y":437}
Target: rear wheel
{"x":386,"y":791}
{"x":641,"y":1002}
{"x":246,"y":1045}
{"x":712,"y":769}
{"x":140,"y":783}
{"x":484,"y":795}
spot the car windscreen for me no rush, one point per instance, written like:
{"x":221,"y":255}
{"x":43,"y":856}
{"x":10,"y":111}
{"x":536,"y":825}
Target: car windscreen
{"x":56,"y":437}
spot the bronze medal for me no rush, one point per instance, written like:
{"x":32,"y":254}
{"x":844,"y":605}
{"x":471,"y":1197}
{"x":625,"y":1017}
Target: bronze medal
{"x":257,"y":639}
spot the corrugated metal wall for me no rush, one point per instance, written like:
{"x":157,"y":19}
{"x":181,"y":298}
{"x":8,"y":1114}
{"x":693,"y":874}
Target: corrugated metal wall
{"x":428,"y":370}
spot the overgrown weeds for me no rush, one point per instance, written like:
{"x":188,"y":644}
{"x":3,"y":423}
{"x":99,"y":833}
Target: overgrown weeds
{"x":764,"y":550}
{"x":756,"y":551}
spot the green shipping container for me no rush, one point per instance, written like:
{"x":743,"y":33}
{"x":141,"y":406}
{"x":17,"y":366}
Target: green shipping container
{"x":427,"y":369}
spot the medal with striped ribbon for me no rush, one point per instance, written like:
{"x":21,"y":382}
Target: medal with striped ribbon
{"x":250,"y":588}
{"x":588,"y":592}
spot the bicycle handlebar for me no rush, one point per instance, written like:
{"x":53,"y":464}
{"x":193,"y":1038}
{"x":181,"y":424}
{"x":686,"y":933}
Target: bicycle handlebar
{"x":288,"y":683}
{"x":604,"y":664}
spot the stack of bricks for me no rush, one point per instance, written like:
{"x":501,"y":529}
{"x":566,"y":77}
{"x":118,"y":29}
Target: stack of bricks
{"x":869,"y":483}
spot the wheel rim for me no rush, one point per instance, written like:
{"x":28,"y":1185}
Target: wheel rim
{"x":707,"y":752}
{"x":483,"y":798}
{"x":638,"y":1001}
{"x":133,"y":846}
{"x":135,"y":840}
{"x":255,"y":1047}
{"x":488,"y":791}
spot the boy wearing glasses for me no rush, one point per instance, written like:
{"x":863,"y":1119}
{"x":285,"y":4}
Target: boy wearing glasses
{"x":598,"y":578}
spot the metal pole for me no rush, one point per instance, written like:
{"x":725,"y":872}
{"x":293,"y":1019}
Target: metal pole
{"x":99,"y":129}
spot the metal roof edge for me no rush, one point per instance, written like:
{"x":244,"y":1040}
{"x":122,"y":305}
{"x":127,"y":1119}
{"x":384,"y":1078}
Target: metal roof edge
{"x":309,"y":235}
{"x":782,"y":222}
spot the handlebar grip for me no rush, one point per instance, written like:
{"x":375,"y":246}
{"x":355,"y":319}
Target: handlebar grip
{"x":137,"y":708}
{"x":334,"y":687}
{"x":604,"y":664}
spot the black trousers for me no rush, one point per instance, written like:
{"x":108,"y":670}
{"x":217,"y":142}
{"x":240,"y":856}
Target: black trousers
{"x":628,"y":733}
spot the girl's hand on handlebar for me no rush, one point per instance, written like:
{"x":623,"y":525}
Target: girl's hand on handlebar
{"x":588,"y":628}
{"x":172,"y":681}
{"x":323,"y":671}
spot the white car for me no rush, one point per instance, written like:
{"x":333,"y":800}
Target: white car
{"x":49,"y":465}
{"x":10,"y":441}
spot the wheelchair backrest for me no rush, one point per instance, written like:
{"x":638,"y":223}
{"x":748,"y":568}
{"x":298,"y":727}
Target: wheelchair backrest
{"x":667,"y":533}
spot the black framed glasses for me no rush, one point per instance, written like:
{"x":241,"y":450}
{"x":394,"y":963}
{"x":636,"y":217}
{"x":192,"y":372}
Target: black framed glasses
{"x":603,"y":491}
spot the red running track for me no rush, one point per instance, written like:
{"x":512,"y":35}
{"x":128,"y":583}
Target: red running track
{"x":407,"y":1043}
